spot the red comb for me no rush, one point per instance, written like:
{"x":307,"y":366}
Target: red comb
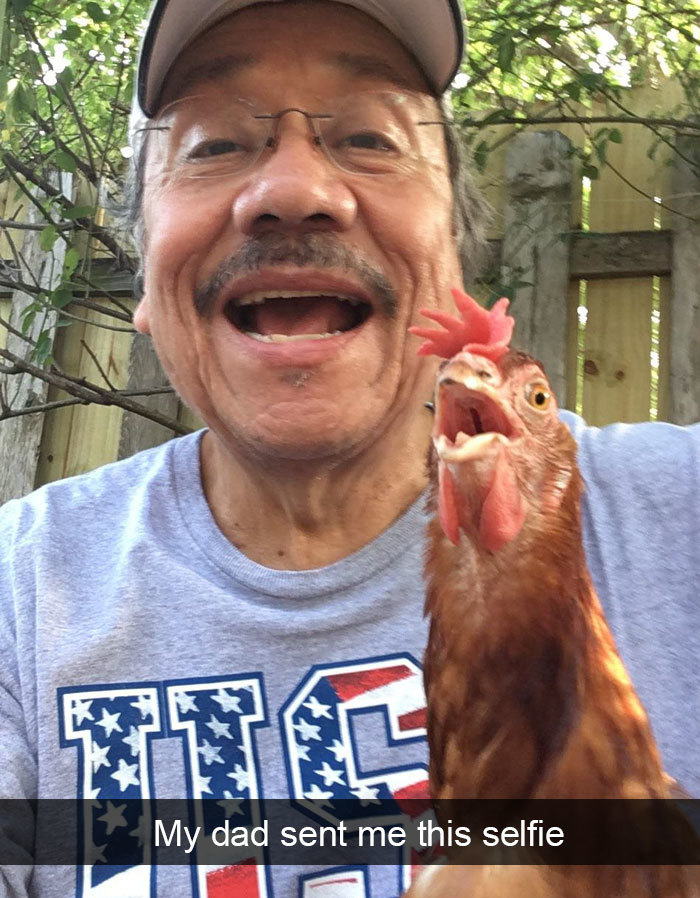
{"x":483,"y":332}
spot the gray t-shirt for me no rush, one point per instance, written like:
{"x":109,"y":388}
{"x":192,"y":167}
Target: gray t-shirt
{"x":145,"y":656}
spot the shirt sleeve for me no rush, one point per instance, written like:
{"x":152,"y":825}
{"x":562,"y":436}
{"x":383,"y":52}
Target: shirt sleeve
{"x":641,"y":520}
{"x":18,"y":772}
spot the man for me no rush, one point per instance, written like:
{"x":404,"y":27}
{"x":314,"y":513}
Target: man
{"x":238,"y":614}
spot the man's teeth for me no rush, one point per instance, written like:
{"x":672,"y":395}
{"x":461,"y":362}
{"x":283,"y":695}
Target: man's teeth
{"x":289,"y":338}
{"x":257,"y":297}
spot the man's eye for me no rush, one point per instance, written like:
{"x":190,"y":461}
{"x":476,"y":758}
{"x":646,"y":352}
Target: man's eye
{"x":216,"y":148}
{"x":367,"y":140}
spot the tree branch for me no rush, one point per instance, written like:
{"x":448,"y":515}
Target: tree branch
{"x":678,"y":124}
{"x":90,"y":393}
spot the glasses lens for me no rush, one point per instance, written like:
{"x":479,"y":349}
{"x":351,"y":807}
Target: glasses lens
{"x":372,"y":133}
{"x":196,"y":138}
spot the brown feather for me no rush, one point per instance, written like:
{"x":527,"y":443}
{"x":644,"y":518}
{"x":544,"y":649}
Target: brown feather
{"x":527,"y":694}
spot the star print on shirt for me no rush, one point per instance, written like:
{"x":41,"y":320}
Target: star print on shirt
{"x":126,"y":775}
{"x":82,"y":711}
{"x":99,"y":757}
{"x":202,"y":785}
{"x":113,"y":817}
{"x":110,"y":722}
{"x":230,"y":804}
{"x":96,"y":854}
{"x":330,"y":776}
{"x":210,"y":753}
{"x":145,"y":704}
{"x":366,"y":794}
{"x":317,"y":709}
{"x":227,"y":702}
{"x":219,"y":728}
{"x":303,"y":752}
{"x":241,"y":777}
{"x":307,"y":730}
{"x":133,"y":740}
{"x":185,"y":702}
{"x":139,"y":832}
{"x":317,"y":794}
{"x":338,"y":750}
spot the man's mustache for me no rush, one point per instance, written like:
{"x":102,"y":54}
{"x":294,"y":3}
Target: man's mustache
{"x":312,"y":250}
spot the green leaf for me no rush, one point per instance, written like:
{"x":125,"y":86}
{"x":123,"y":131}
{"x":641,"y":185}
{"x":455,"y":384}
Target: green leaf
{"x":61,"y":296}
{"x":96,"y":13}
{"x":24,"y":99}
{"x":590,"y":171}
{"x":549,"y":32}
{"x":74,"y":212}
{"x":573,"y":89}
{"x":592,"y":80}
{"x":43,"y":347}
{"x":28,"y":318}
{"x":47,"y":238}
{"x":493,"y":117}
{"x":71,"y":262}
{"x":4,"y":78}
{"x":481,"y":154}
{"x":65,"y":161}
{"x":506,"y":52}
{"x":71,"y":32}
{"x":66,"y":77}
{"x":615,"y":136}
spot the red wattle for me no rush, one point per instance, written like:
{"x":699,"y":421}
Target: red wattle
{"x":502,"y":514}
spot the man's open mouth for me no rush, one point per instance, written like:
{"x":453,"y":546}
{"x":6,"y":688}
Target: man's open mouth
{"x":468,"y":420}
{"x":279,"y":316}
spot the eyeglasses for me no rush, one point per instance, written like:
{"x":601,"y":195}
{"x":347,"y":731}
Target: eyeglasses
{"x":368,"y":133}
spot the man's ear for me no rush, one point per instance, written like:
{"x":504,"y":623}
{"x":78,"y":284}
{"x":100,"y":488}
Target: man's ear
{"x":142,"y":321}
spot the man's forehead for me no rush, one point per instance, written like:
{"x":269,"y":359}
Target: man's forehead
{"x":345,"y":40}
{"x":197,"y":74}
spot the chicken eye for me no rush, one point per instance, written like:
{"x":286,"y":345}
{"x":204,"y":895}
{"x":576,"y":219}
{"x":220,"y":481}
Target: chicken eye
{"x":538,"y":395}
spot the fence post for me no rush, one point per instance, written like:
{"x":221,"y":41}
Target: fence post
{"x":684,"y":362}
{"x":535,"y":251}
{"x":145,"y":373}
{"x":20,"y":437}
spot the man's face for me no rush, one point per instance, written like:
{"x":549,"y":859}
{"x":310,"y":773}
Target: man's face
{"x":334,"y":250}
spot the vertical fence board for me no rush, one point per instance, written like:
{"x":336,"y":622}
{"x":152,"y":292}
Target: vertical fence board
{"x":20,"y":391}
{"x":535,"y":250}
{"x":145,"y":372}
{"x":80,"y":438}
{"x":572,"y":301}
{"x":685,"y":278}
{"x":664,"y":387}
{"x":617,"y":377}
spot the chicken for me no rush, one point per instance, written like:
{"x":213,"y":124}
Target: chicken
{"x":527,"y":695}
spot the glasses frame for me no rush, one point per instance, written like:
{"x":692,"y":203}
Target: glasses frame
{"x":271,"y":139}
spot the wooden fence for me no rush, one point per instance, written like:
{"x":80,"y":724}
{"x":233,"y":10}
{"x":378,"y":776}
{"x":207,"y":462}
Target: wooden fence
{"x":608,"y":295}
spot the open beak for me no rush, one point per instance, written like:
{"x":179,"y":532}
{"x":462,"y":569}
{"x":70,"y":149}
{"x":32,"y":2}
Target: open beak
{"x":471,"y":416}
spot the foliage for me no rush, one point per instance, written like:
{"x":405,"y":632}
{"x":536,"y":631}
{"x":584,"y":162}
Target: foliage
{"x":66,"y":79}
{"x":567,"y":60}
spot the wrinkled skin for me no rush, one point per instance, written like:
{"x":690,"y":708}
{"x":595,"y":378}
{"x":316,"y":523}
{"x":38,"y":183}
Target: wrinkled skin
{"x":326,"y":450}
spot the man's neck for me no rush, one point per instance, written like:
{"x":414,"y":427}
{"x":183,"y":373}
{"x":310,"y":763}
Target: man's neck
{"x":300,"y":516}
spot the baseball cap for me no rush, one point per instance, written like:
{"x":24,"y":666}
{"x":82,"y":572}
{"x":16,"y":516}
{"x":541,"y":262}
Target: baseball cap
{"x":430,"y":29}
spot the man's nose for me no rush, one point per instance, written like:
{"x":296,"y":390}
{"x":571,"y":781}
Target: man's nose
{"x":295,"y":185}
